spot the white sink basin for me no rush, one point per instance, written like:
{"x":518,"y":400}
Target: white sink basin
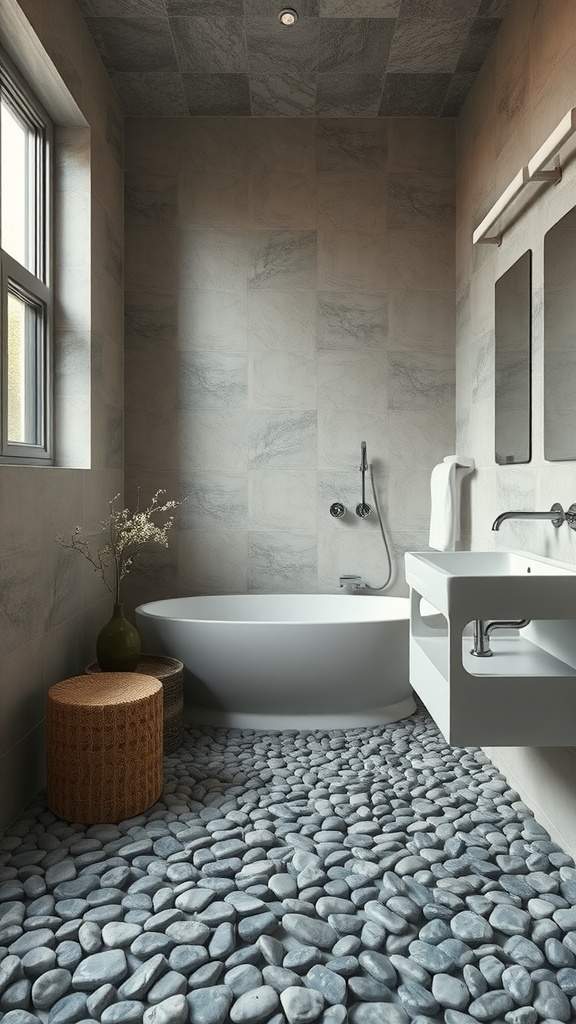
{"x":525,"y":693}
{"x":493,"y":584}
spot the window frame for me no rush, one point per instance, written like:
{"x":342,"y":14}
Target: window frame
{"x":38,"y":287}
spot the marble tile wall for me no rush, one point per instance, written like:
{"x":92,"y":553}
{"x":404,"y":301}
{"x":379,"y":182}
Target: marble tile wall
{"x":523,"y":91}
{"x":290,"y":293}
{"x":51,"y":607}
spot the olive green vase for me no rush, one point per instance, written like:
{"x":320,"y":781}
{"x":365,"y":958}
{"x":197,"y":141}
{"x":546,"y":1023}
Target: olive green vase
{"x":118,"y":644}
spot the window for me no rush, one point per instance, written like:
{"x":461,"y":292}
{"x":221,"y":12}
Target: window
{"x":25,"y":271}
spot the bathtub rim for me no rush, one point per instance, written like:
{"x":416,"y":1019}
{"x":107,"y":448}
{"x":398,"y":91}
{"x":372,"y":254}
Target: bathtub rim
{"x":147,"y":610}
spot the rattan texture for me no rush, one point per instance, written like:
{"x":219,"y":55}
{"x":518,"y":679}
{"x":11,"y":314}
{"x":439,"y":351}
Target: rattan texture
{"x":170,"y":672}
{"x":104,"y":746}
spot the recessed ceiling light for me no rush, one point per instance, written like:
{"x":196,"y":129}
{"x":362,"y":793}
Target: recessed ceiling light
{"x":288,"y":17}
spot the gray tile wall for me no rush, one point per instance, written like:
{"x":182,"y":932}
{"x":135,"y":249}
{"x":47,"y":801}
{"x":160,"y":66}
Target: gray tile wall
{"x":289,"y":294}
{"x":51,"y":607}
{"x":526,"y":87}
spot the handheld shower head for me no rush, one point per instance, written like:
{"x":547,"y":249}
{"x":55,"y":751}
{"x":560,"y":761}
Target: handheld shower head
{"x":363,"y":510}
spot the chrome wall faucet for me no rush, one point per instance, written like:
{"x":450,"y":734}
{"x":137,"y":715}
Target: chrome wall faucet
{"x":556,"y":516}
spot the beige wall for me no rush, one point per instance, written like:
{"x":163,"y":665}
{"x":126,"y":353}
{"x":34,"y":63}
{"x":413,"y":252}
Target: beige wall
{"x":51,"y":607}
{"x":290,"y":293}
{"x":526,"y":87}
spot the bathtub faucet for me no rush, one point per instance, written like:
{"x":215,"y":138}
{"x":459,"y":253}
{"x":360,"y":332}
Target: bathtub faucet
{"x":351,"y":583}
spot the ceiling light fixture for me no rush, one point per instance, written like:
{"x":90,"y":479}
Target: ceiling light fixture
{"x":287,"y":16}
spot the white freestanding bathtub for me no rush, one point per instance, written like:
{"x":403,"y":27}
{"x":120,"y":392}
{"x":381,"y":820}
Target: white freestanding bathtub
{"x":286,"y":661}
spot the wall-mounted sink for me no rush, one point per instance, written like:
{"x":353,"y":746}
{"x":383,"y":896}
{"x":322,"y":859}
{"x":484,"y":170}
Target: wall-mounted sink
{"x":525,"y":694}
{"x":493,"y":584}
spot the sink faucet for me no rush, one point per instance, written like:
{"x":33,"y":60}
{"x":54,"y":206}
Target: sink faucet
{"x":483,"y":629}
{"x":556,"y":515}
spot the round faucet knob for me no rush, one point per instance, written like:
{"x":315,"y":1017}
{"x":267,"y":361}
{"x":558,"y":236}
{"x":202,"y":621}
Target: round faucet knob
{"x":363,"y":510}
{"x":337,"y":510}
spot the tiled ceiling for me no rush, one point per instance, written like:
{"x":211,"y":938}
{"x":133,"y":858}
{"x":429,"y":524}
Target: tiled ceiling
{"x":343,"y":58}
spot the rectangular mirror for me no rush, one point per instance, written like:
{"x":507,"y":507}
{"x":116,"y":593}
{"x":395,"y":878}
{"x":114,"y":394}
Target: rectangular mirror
{"x":513,"y":346}
{"x":560,"y":340}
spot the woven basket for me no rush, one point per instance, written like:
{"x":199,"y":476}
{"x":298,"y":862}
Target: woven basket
{"x":104,"y":746}
{"x":170,"y":672}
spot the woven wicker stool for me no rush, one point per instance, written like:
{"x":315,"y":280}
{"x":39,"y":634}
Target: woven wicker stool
{"x":104,"y":746}
{"x":170,"y":672}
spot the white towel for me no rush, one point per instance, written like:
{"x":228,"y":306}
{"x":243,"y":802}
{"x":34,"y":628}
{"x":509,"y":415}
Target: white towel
{"x":445,"y":501}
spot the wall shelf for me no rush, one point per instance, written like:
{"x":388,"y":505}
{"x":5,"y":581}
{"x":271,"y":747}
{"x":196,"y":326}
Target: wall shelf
{"x":533,"y":172}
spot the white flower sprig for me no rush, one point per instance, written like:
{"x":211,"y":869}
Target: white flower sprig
{"x":128,"y":532}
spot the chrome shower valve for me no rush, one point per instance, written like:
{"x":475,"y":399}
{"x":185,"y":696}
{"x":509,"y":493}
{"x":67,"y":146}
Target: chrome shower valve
{"x":363,"y":510}
{"x":337,"y":510}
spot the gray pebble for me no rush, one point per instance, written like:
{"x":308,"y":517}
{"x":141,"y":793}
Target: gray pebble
{"x":280,"y":978}
{"x":257,"y":1005}
{"x":194,"y":900}
{"x":385,"y":917}
{"x":331,"y":985}
{"x":16,"y":996}
{"x":244,"y":903}
{"x":206,"y":976}
{"x":250,"y":928}
{"x":50,"y":987}
{"x":524,"y":952}
{"x":20,"y":1017}
{"x":490,"y":1005}
{"x":522,"y":1015}
{"x":312,"y":932}
{"x":172,"y":1011}
{"x":377,"y":1013}
{"x":192,"y":933}
{"x":368,"y":989}
{"x":558,"y":954}
{"x":429,"y":957}
{"x":186,"y":959}
{"x":217,"y":913}
{"x":416,"y":999}
{"x":301,"y":1005}
{"x":243,"y":978}
{"x":137,"y":985}
{"x":31,"y":940}
{"x":518,"y":983}
{"x":450,"y":992}
{"x":471,"y":928}
{"x":380,"y":967}
{"x":566,"y":978}
{"x":173,"y":983}
{"x":510,"y":920}
{"x":69,"y":1009}
{"x":223,"y":941}
{"x":128,"y":1011}
{"x":566,"y":919}
{"x":551,"y":1002}
{"x":117,"y":934}
{"x":98,"y":1001}
{"x":333,"y":1015}
{"x":492,"y":968}
{"x":271,"y":949}
{"x":373,"y":935}
{"x":37,"y":962}
{"x":68,"y":954}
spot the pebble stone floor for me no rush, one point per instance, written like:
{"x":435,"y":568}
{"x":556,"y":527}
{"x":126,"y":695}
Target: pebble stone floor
{"x":369,"y":876}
